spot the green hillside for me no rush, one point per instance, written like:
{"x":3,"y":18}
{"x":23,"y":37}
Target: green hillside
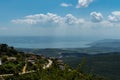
{"x":107,"y":65}
{"x":28,"y":66}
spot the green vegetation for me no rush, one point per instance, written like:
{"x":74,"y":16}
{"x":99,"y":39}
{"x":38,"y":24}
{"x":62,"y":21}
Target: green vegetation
{"x":107,"y":65}
{"x":102,"y":61}
{"x":55,"y":73}
{"x":23,"y":66}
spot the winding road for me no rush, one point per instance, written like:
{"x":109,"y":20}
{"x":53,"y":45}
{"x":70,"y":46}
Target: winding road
{"x":48,"y":65}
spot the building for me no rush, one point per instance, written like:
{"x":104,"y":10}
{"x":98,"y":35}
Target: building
{"x":11,"y":58}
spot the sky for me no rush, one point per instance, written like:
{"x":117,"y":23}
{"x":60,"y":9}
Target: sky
{"x":82,"y":18}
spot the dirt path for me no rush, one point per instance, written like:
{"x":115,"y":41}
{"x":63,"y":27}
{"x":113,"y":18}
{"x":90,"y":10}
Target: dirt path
{"x":6,"y":75}
{"x":24,"y":69}
{"x":48,"y":65}
{"x":25,"y":66}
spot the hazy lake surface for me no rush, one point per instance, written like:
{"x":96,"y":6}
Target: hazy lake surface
{"x":45,"y":42}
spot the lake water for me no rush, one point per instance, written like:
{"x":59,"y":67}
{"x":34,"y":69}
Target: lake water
{"x":44,"y":42}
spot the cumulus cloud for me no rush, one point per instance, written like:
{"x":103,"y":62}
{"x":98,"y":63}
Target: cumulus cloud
{"x":70,"y":19}
{"x":68,"y":25}
{"x":39,"y":19}
{"x":27,"y":21}
{"x":83,"y":3}
{"x":115,"y":17}
{"x":65,"y":5}
{"x":96,"y":16}
{"x":49,"y":18}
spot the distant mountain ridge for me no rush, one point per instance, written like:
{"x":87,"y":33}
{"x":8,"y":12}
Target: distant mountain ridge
{"x":107,"y":43}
